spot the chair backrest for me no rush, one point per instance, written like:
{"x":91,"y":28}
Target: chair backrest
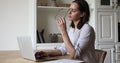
{"x":100,"y":55}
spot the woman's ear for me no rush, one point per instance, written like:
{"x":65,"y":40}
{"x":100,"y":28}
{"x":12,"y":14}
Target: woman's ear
{"x":82,"y":14}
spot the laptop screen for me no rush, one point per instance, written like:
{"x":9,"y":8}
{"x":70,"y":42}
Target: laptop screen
{"x":26,"y":47}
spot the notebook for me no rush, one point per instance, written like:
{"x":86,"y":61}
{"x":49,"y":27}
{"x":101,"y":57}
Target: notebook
{"x":64,"y":61}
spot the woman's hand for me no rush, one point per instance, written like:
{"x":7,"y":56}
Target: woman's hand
{"x":41,"y":54}
{"x":61,"y":25}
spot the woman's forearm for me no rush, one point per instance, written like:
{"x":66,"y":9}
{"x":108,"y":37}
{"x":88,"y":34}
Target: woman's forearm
{"x":56,"y":52}
{"x":70,"y":48}
{"x":62,"y":27}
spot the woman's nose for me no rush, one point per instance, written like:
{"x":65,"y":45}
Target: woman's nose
{"x":69,"y":12}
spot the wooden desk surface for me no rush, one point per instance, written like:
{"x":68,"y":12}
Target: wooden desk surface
{"x":15,"y":57}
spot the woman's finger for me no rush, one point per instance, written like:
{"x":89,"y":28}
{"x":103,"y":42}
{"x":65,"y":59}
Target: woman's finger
{"x":61,"y":20}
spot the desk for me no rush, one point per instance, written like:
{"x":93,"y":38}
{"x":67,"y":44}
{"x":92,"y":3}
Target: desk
{"x":15,"y":57}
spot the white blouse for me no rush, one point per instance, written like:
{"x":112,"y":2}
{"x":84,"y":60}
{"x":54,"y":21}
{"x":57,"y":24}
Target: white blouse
{"x":83,"y":41}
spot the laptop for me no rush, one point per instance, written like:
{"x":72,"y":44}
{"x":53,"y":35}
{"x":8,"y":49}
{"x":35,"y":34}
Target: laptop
{"x":28,"y":50}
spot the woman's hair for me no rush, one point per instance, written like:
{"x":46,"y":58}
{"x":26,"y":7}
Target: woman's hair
{"x":84,"y":8}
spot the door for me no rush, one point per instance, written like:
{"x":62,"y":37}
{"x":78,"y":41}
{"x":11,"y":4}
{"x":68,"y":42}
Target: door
{"x":106,"y":21}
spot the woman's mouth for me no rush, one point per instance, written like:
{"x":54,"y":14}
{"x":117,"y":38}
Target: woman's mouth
{"x":69,"y":16}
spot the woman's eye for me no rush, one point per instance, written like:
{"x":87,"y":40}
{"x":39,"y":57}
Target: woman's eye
{"x":73,"y":11}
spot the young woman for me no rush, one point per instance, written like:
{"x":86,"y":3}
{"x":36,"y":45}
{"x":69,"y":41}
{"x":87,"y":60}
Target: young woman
{"x":79,"y":41}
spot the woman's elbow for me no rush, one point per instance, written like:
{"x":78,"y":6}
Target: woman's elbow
{"x":72,"y":54}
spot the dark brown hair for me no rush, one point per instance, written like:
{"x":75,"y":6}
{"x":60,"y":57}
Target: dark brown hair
{"x":83,"y":7}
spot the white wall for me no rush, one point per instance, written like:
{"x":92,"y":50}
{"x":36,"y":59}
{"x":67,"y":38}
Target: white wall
{"x":13,"y":22}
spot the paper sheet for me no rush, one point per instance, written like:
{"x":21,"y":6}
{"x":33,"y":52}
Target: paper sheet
{"x":64,"y":61}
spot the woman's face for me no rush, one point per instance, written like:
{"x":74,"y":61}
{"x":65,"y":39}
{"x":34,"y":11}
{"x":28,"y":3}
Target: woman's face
{"x":73,"y":13}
